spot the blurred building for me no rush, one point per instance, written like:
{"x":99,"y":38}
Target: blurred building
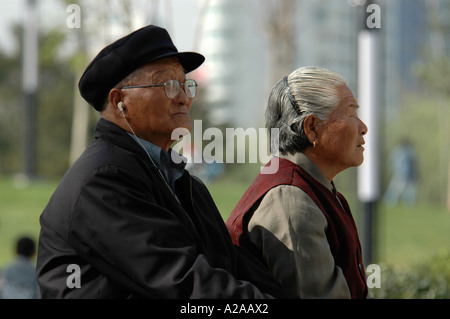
{"x":327,"y":37}
{"x":403,"y":40}
{"x":236,"y":46}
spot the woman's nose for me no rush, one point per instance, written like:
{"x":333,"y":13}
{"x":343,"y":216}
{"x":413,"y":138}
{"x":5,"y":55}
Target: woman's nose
{"x":363,"y":128}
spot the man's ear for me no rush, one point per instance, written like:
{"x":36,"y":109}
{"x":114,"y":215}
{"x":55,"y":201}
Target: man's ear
{"x":112,"y":112}
{"x":310,"y":127}
{"x":115,"y":96}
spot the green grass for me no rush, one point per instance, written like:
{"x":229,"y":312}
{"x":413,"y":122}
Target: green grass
{"x":20,"y":207}
{"x":412,"y":234}
{"x":226,"y":194}
{"x":405,"y":235}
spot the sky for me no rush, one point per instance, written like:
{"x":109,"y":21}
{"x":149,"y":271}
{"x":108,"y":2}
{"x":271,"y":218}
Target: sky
{"x":9,"y":13}
{"x":181,"y":23}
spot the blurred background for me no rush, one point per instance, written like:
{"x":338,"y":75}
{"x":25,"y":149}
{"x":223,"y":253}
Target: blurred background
{"x":249,"y":45}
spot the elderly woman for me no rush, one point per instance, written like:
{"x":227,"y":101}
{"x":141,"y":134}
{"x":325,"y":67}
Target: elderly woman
{"x":295,"y":220}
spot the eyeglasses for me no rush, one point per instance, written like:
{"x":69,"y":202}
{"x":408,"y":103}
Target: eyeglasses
{"x":171,"y":88}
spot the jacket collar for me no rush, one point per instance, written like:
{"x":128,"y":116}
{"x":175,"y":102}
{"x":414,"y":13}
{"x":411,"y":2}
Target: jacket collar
{"x":304,"y":162}
{"x":118,"y":136}
{"x":163,"y":160}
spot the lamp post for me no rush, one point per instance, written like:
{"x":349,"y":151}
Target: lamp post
{"x":29,"y":84}
{"x":368,"y":92}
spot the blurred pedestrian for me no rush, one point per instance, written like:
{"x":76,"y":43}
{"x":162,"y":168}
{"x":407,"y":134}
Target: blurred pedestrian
{"x":18,"y":279}
{"x":403,"y":184}
{"x":294,"y":219}
{"x":128,"y":220}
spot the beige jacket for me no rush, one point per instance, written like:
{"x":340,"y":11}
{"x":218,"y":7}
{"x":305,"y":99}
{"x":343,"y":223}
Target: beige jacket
{"x":289,"y":229}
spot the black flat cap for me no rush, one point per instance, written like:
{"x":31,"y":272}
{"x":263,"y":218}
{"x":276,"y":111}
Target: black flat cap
{"x":114,"y":62}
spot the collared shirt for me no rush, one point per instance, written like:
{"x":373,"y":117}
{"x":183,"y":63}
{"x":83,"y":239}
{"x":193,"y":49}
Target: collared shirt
{"x":289,"y":229}
{"x":171,"y":164}
{"x":18,"y":280}
{"x":304,"y":162}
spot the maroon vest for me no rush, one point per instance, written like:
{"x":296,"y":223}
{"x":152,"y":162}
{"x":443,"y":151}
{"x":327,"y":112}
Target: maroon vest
{"x":341,"y":232}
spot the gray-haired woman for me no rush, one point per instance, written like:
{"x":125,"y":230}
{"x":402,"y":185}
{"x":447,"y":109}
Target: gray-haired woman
{"x":295,"y":220}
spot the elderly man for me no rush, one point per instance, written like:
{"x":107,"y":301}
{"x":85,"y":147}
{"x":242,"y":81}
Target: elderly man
{"x":127,"y":220}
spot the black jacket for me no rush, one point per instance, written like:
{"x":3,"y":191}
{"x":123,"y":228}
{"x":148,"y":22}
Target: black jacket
{"x":113,"y":217}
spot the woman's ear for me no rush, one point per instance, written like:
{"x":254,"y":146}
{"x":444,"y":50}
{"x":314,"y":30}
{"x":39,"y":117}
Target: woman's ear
{"x":310,"y":127}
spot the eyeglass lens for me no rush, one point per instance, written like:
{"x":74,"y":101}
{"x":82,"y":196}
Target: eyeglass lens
{"x":172,"y":88}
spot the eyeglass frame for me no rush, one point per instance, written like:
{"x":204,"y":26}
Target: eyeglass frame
{"x":181,"y":85}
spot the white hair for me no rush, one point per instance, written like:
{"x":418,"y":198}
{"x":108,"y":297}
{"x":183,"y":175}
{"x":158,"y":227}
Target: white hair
{"x":307,"y":90}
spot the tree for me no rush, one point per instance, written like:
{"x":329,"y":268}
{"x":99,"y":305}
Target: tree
{"x":278,"y":24}
{"x":434,"y":76}
{"x":119,"y":15}
{"x":10,"y":113}
{"x":53,"y":107}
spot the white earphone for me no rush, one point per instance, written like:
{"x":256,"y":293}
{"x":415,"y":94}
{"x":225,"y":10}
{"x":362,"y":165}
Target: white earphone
{"x":120,"y":106}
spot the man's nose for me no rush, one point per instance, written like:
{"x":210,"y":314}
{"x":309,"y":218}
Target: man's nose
{"x":181,"y":98}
